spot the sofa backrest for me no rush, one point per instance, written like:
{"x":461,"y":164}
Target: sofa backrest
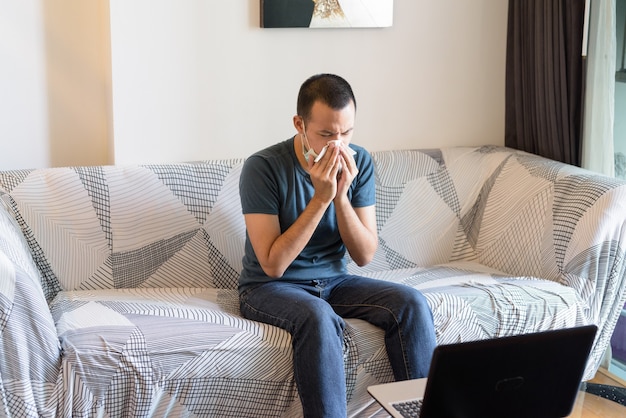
{"x":180,"y":225}
{"x":176,"y":225}
{"x":430,"y":204}
{"x":512,"y":211}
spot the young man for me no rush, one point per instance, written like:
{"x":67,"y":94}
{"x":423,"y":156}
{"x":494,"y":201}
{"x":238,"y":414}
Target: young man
{"x":302,"y":213}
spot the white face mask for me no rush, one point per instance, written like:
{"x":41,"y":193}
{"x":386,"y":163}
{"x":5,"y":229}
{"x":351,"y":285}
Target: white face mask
{"x":311,"y":152}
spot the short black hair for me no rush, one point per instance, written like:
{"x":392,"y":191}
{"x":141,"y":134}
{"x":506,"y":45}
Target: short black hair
{"x":330,"y":89}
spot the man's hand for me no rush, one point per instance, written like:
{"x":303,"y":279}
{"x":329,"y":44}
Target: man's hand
{"x":324,"y":174}
{"x":357,"y":226}
{"x":348,"y":172}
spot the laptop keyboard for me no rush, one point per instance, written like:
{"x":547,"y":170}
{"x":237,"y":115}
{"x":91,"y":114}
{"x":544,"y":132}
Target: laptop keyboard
{"x":409,"y":409}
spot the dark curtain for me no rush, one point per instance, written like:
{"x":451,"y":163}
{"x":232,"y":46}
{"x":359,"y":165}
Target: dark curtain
{"x":544,"y":78}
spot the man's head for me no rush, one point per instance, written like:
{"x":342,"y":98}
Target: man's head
{"x":330,"y":89}
{"x":326,"y":111}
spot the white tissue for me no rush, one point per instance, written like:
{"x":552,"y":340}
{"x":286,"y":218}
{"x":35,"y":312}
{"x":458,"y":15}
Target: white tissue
{"x":337,"y":143}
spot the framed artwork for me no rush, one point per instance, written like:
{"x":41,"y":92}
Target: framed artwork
{"x":326,"y":13}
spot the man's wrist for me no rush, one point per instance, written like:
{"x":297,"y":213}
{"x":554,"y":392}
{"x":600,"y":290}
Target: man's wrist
{"x":342,"y":201}
{"x":318,"y":202}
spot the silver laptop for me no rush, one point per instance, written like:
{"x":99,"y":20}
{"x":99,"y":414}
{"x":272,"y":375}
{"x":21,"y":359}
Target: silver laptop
{"x":529,"y":375}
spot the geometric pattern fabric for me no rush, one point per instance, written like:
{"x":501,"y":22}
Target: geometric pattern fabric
{"x":118,"y":284}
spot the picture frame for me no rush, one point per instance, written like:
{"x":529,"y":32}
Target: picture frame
{"x":326,"y":13}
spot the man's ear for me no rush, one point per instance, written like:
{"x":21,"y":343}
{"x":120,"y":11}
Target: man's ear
{"x":298,"y":123}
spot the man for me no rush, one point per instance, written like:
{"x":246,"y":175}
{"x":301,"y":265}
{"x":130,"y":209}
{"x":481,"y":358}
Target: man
{"x":302,"y":213}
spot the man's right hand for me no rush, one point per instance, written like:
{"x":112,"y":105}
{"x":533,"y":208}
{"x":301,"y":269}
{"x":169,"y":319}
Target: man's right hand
{"x":324,"y":174}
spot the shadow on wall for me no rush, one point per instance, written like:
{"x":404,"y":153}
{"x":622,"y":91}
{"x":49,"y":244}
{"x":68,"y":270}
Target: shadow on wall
{"x":78,"y":77}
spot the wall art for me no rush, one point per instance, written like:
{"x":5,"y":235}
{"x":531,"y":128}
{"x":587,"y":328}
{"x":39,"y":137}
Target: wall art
{"x":326,"y":13}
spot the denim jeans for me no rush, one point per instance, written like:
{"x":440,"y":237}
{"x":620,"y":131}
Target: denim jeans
{"x":312,"y":313}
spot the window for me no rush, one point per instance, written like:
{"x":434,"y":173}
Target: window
{"x":618,"y":341}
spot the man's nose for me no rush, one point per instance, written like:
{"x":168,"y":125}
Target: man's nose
{"x":337,"y":139}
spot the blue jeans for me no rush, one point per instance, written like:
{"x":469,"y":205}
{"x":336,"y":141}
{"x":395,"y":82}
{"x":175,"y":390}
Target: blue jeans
{"x":312,"y":313}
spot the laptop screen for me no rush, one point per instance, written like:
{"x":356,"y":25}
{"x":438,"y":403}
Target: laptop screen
{"x":530,"y":375}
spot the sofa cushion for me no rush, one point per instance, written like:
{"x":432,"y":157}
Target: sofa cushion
{"x":174,"y":225}
{"x":471,"y":301}
{"x":162,"y":347}
{"x":167,"y":344}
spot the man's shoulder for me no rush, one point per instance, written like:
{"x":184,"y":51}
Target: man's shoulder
{"x":270,"y":161}
{"x":277,"y":151}
{"x":363,"y":158}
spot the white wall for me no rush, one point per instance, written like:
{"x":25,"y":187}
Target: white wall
{"x":200,"y":79}
{"x":195,"y":79}
{"x":23,"y":107}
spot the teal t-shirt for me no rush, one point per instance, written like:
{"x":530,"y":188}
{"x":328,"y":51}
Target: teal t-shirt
{"x":273,"y":182}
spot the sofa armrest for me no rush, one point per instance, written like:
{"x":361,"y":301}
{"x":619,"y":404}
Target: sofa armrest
{"x":29,"y":346}
{"x":561,"y":223}
{"x":590,"y":247}
{"x":554,"y":221}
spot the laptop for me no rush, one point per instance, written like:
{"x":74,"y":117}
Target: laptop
{"x":529,"y":375}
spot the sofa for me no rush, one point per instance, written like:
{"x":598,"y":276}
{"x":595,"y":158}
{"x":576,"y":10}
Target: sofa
{"x":118,"y":284}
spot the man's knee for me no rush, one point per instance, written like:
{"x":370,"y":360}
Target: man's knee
{"x":320,"y":318}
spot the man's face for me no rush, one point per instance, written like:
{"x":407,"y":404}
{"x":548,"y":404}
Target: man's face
{"x":327,"y":124}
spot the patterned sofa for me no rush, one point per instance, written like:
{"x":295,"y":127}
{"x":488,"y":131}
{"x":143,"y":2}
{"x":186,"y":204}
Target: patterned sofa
{"x":118,"y":284}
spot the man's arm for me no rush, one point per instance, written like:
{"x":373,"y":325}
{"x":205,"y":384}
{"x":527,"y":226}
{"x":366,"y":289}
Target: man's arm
{"x":357,"y":226}
{"x":274,"y":251}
